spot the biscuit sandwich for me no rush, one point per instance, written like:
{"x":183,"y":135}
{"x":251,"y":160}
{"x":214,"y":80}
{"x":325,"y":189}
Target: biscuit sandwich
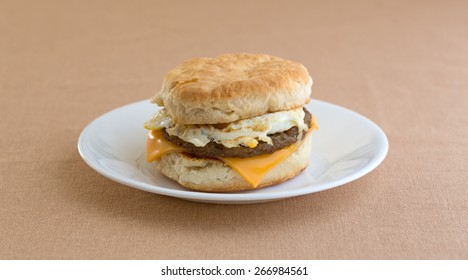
{"x":231,"y":123}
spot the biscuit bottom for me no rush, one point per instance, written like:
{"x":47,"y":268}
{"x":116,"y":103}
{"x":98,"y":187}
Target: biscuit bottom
{"x":212,"y":175}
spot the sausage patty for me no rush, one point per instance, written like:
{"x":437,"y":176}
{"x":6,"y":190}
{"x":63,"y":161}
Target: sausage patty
{"x":279,"y":140}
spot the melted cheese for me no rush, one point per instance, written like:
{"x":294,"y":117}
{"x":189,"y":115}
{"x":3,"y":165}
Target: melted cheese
{"x":252,"y":169}
{"x":157,"y":146}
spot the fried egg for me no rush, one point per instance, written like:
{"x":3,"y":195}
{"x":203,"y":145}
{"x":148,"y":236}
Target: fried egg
{"x":247,"y":132}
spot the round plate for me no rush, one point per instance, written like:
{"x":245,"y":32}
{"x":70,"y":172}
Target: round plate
{"x":346,"y":146}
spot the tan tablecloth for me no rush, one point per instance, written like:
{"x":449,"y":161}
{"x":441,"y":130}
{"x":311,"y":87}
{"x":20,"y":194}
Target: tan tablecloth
{"x":403,"y":64}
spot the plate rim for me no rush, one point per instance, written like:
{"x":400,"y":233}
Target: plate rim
{"x":239,"y":197}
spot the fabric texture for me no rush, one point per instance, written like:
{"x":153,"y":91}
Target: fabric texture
{"x":402,"y":64}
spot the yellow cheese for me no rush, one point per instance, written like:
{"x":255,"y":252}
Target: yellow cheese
{"x":252,"y":169}
{"x":157,"y":146}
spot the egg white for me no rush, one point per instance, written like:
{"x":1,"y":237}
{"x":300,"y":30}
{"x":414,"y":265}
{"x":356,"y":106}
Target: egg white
{"x":247,"y":132}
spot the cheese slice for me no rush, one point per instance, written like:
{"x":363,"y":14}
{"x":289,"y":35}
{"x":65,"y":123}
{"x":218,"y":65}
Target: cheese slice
{"x":252,"y":169}
{"x":157,"y":146}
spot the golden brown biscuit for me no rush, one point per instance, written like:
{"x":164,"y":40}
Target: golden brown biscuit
{"x":232,"y":87}
{"x":212,"y":175}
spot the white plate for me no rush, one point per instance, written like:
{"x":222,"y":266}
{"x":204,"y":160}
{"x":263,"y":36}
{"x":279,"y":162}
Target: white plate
{"x":346,"y":147}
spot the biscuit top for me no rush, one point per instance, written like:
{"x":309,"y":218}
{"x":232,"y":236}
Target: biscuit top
{"x":232,"y":87}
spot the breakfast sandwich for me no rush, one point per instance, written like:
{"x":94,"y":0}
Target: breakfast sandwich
{"x":231,"y":123}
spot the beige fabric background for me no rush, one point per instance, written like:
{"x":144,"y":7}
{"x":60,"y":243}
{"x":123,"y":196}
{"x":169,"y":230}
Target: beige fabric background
{"x":403,"y":64}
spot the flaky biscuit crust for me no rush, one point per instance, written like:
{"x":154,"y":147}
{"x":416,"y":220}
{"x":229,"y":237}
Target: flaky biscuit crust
{"x":232,"y":87}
